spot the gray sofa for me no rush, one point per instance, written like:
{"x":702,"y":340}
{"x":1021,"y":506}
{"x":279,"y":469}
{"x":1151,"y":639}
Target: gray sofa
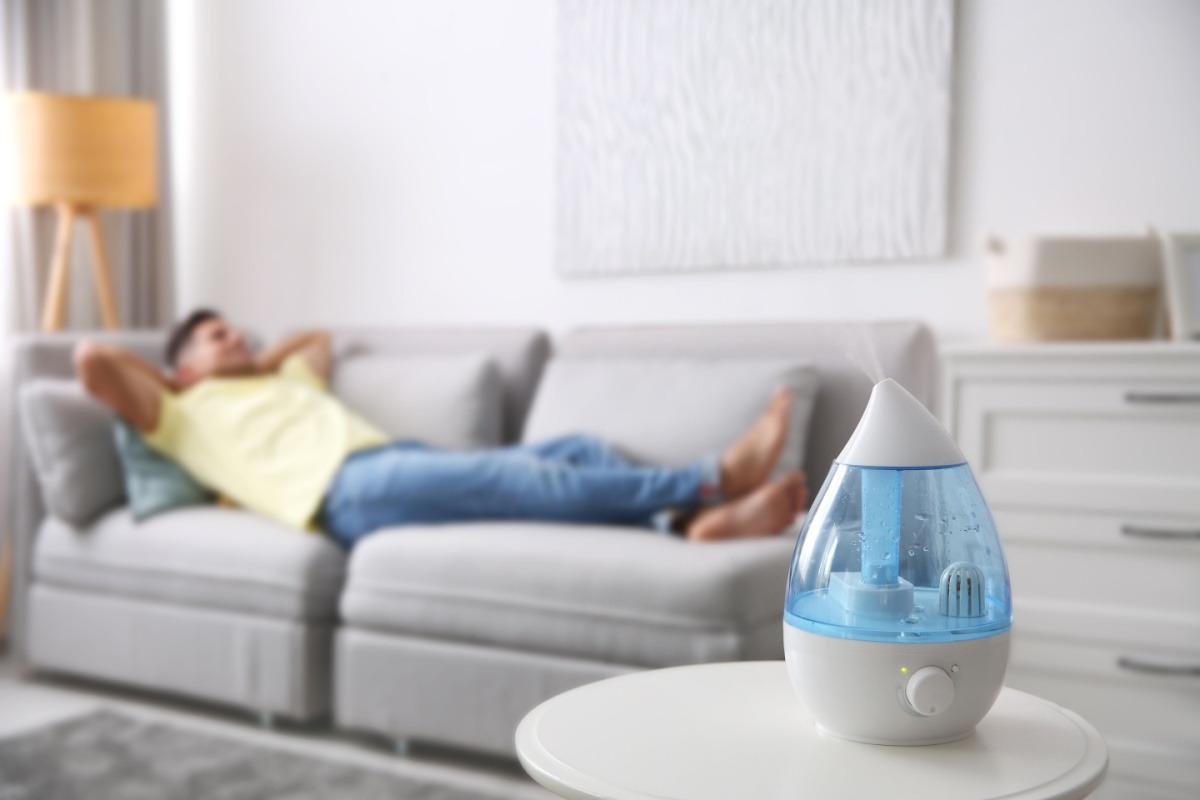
{"x":447,"y":634}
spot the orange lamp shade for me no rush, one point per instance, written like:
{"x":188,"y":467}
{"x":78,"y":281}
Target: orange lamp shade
{"x":83,"y":151}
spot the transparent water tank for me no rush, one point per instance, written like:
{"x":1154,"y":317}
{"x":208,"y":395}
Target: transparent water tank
{"x":899,"y":554}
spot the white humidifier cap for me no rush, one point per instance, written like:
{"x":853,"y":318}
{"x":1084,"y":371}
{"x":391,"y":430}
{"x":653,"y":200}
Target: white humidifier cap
{"x":897,"y":431}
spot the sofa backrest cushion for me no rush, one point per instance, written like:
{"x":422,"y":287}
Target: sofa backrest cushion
{"x":519,"y":354}
{"x":849,"y":358}
{"x":68,"y":435}
{"x":453,"y":401}
{"x":672,"y":411}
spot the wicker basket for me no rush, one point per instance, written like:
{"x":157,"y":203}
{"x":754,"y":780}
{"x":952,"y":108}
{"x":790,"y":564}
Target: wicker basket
{"x":1056,"y":288}
{"x":1049,"y":313}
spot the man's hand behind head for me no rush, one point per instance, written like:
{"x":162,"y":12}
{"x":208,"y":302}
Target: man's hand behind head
{"x":128,"y":385}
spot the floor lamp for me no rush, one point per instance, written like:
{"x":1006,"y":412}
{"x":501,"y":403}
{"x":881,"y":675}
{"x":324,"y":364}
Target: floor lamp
{"x":81,"y":154}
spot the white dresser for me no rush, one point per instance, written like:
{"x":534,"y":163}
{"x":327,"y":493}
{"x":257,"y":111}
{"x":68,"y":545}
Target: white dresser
{"x":1089,"y":455}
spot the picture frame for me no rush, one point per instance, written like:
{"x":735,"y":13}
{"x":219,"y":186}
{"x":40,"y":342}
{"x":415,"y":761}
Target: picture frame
{"x":1181,"y":268}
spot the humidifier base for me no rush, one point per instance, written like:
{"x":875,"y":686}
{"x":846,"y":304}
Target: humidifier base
{"x":896,"y":693}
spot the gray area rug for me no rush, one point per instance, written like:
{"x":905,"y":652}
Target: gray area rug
{"x":106,"y":756}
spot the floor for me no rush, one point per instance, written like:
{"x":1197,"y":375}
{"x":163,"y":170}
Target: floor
{"x":31,"y":703}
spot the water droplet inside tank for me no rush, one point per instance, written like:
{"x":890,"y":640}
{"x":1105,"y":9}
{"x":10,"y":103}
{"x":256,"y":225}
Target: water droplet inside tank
{"x":912,"y":552}
{"x":925,"y":549}
{"x":923,"y":517}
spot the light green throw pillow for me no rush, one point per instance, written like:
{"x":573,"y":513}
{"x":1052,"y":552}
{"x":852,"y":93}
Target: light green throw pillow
{"x":153,"y":482}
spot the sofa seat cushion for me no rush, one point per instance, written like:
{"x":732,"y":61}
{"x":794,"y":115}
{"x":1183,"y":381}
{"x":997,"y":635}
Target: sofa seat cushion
{"x":216,"y":558}
{"x":609,"y":594}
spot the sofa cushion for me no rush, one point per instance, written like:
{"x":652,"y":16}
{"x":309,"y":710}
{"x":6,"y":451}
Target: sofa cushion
{"x":68,"y":435}
{"x":451,"y":401}
{"x":670,"y":410}
{"x":153,"y":482}
{"x":211,"y":557}
{"x":849,"y":356}
{"x":611,"y":594}
{"x":519,"y":355}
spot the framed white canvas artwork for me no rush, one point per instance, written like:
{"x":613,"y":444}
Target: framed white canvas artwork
{"x":710,"y":134}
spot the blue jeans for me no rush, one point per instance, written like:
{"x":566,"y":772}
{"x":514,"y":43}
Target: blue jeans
{"x":569,"y":479}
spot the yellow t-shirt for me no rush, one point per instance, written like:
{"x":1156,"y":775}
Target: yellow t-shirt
{"x":272,"y":443}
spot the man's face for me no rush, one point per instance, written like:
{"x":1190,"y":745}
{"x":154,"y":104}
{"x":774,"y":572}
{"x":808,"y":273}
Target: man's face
{"x":214,"y":348}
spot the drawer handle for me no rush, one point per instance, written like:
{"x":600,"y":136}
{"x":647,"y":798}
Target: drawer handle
{"x":1139,"y":532}
{"x":1162,"y":397}
{"x":1134,"y":665}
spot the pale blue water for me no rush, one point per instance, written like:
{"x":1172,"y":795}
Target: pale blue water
{"x":817,"y":612}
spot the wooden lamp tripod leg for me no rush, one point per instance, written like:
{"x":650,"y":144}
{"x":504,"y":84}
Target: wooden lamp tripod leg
{"x":108,"y":304}
{"x":54,"y":312}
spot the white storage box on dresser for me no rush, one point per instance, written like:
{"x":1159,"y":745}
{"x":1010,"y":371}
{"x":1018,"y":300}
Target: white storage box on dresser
{"x":1089,"y":455}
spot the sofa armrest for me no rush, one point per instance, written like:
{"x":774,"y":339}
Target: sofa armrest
{"x":30,"y":357}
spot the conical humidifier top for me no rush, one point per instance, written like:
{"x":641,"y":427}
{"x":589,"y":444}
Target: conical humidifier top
{"x":897,"y":431}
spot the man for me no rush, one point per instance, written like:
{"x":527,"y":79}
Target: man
{"x":264,"y":431}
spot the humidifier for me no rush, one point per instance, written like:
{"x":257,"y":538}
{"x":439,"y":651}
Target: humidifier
{"x":898,"y":609}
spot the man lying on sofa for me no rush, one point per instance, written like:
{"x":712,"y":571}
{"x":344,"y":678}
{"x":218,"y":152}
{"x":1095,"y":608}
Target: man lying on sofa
{"x":264,"y":431}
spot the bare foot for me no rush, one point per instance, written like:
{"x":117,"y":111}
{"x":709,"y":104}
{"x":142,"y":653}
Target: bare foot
{"x":801,"y":496}
{"x":765,"y":512}
{"x":747,"y":464}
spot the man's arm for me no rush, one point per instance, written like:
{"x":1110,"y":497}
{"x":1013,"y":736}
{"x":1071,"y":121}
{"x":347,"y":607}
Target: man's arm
{"x":314,"y":347}
{"x":125,"y":383}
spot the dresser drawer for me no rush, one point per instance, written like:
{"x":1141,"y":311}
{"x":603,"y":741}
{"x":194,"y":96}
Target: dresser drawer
{"x":1151,"y":723}
{"x":1100,"y":446}
{"x":1133,"y":563}
{"x":1123,"y":636}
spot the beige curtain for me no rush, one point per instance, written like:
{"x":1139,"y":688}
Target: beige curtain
{"x":114,"y":47}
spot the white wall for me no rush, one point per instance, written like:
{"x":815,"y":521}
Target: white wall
{"x":390,"y":162}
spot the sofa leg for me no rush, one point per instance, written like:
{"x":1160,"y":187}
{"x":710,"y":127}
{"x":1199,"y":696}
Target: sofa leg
{"x":266,"y":720}
{"x":401,"y":747}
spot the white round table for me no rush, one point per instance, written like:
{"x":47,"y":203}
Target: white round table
{"x":737,"y":731}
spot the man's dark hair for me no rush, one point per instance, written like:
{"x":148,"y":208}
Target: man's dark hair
{"x":181,"y":334}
